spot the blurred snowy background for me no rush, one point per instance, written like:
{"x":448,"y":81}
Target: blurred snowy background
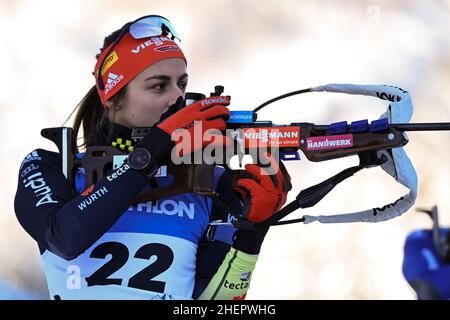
{"x":257,"y":49}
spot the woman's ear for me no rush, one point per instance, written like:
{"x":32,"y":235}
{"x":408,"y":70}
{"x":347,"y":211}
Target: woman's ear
{"x":109,"y":104}
{"x":112,"y":105}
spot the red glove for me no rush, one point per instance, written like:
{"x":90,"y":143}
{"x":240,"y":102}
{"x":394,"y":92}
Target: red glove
{"x":193,"y":123}
{"x":267,"y":193}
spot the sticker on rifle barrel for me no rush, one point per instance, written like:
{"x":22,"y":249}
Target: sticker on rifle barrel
{"x":330,"y":142}
{"x":272,"y":137}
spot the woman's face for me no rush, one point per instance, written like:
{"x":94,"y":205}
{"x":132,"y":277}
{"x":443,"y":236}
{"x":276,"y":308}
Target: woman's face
{"x":150,"y":94}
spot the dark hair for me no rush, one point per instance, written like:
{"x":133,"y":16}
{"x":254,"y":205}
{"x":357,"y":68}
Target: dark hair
{"x":90,"y":111}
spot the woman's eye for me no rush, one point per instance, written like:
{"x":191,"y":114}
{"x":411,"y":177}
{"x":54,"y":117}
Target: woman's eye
{"x":183,"y":85}
{"x":159,"y":87}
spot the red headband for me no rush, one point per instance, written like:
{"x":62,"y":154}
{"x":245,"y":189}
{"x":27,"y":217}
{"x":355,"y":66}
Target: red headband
{"x":130,"y":57}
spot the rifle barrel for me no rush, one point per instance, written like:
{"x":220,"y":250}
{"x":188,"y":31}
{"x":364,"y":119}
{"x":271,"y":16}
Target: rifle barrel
{"x":430,"y":126}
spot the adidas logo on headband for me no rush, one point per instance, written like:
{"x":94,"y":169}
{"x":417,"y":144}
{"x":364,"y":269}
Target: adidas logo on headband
{"x":113,"y":80}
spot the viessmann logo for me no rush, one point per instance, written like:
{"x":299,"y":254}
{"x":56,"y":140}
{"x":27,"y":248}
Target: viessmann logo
{"x":272,"y":137}
{"x":113,"y":80}
{"x":157,"y":41}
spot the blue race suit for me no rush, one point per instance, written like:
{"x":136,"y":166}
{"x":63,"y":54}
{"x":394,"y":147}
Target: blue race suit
{"x":423,"y":268}
{"x":97,"y":245}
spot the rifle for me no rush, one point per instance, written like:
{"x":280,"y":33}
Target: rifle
{"x":378,"y":143}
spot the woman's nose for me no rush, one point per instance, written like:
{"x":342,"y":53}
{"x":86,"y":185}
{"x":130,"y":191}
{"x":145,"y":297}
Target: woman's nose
{"x":175,"y":94}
